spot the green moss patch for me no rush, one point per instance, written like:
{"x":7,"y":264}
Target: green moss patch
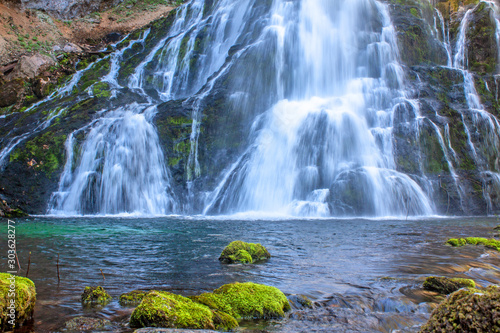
{"x":101,"y":89}
{"x":132,"y":298}
{"x":95,"y":296}
{"x":45,"y":152}
{"x":24,"y":300}
{"x":242,"y":252}
{"x":444,"y":285}
{"x":467,"y":310}
{"x":489,"y":243}
{"x":247,"y":301}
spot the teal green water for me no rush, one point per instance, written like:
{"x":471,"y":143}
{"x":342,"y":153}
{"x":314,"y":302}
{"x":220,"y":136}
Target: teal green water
{"x":318,"y":258}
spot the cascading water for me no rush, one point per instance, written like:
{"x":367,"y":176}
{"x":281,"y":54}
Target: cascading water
{"x":121,"y":167}
{"x":478,"y":120}
{"x":322,"y":106}
{"x":325,"y":148}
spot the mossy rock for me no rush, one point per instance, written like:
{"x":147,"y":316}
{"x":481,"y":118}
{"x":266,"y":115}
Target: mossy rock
{"x":467,"y":310}
{"x":164,"y":309}
{"x":241,"y":252}
{"x":86,"y":324}
{"x":132,"y":298}
{"x":95,"y":296}
{"x":247,"y":301}
{"x":444,"y":285}
{"x":489,"y":243}
{"x":24,"y":301}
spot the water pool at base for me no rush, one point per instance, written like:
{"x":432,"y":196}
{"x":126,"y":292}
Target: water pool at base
{"x":364,"y":274}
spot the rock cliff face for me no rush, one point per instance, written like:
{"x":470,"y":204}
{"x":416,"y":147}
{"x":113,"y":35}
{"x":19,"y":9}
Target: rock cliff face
{"x":445,"y":133}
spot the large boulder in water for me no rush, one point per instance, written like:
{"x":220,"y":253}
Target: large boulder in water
{"x":164,"y":309}
{"x":467,"y":310}
{"x":242,"y":252}
{"x":219,"y":309}
{"x":247,"y":301}
{"x":17,"y":300}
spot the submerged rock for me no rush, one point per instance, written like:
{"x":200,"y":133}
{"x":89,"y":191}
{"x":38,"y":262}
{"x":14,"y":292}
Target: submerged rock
{"x":241,"y":252}
{"x":132,"y":298}
{"x":300,"y":302}
{"x":164,"y":309}
{"x":95,"y":296}
{"x":86,"y":324}
{"x":489,"y":243}
{"x":15,"y":308}
{"x":446,"y":285}
{"x":467,"y":310}
{"x":247,"y":300}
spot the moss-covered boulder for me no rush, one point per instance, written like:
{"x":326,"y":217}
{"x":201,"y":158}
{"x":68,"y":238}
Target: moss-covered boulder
{"x":444,"y":285}
{"x":132,"y":298}
{"x":86,"y":324}
{"x":467,"y":310}
{"x":241,"y":252}
{"x":489,"y":243}
{"x":95,"y":296}
{"x":247,"y":301}
{"x":164,"y":309}
{"x":15,"y":308}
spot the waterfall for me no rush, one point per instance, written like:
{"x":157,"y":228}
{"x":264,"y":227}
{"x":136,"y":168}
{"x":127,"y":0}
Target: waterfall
{"x":120,"y":166}
{"x":481,"y":121}
{"x":325,"y":147}
{"x":445,"y":35}
{"x":319,"y":83}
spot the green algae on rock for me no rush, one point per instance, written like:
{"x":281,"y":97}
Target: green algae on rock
{"x":242,"y":252}
{"x":132,"y":298}
{"x":95,"y":296}
{"x":467,"y":310}
{"x":247,"y":301}
{"x":444,"y":285}
{"x":24,"y":300}
{"x":489,"y":243}
{"x":164,"y":309}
